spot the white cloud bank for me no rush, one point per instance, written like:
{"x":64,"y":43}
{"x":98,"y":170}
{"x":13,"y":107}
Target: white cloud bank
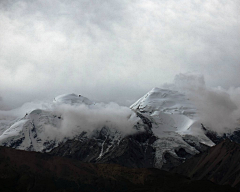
{"x":218,"y":108}
{"x":91,"y":118}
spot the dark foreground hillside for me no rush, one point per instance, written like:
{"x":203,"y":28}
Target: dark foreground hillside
{"x":31,"y":171}
{"x":220,"y":164}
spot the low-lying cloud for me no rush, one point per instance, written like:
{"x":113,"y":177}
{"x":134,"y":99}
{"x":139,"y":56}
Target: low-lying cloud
{"x":218,"y":108}
{"x":76,"y":119}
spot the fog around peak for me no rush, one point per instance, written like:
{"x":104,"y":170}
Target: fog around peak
{"x":218,"y":108}
{"x":91,"y":118}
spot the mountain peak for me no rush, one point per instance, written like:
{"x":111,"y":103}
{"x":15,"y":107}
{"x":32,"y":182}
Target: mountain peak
{"x":165,"y":100}
{"x":155,"y":89}
{"x":72,"y":99}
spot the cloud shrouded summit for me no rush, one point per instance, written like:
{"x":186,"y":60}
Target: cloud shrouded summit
{"x":217,"y":108}
{"x":113,"y":50}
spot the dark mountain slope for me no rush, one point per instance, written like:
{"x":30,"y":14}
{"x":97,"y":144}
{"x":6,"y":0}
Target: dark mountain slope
{"x":134,"y":151}
{"x":220,"y":164}
{"x":31,"y":171}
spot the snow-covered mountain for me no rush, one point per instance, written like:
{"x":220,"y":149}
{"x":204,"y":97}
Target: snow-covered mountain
{"x":174,"y":123}
{"x":167,"y":101}
{"x":159,"y":130}
{"x":72,"y":99}
{"x":42,"y":130}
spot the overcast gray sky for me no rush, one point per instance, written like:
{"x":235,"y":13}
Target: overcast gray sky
{"x":114,"y":50}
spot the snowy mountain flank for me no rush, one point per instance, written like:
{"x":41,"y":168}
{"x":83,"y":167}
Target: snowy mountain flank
{"x":159,"y":130}
{"x":174,"y":120}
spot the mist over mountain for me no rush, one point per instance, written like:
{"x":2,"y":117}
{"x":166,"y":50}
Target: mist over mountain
{"x":216,"y":108}
{"x":161,"y":129}
{"x":110,"y":95}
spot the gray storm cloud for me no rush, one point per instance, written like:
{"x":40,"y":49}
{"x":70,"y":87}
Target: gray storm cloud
{"x":113,"y":50}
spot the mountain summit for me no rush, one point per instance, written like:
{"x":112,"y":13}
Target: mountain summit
{"x":164,"y":100}
{"x":72,"y":99}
